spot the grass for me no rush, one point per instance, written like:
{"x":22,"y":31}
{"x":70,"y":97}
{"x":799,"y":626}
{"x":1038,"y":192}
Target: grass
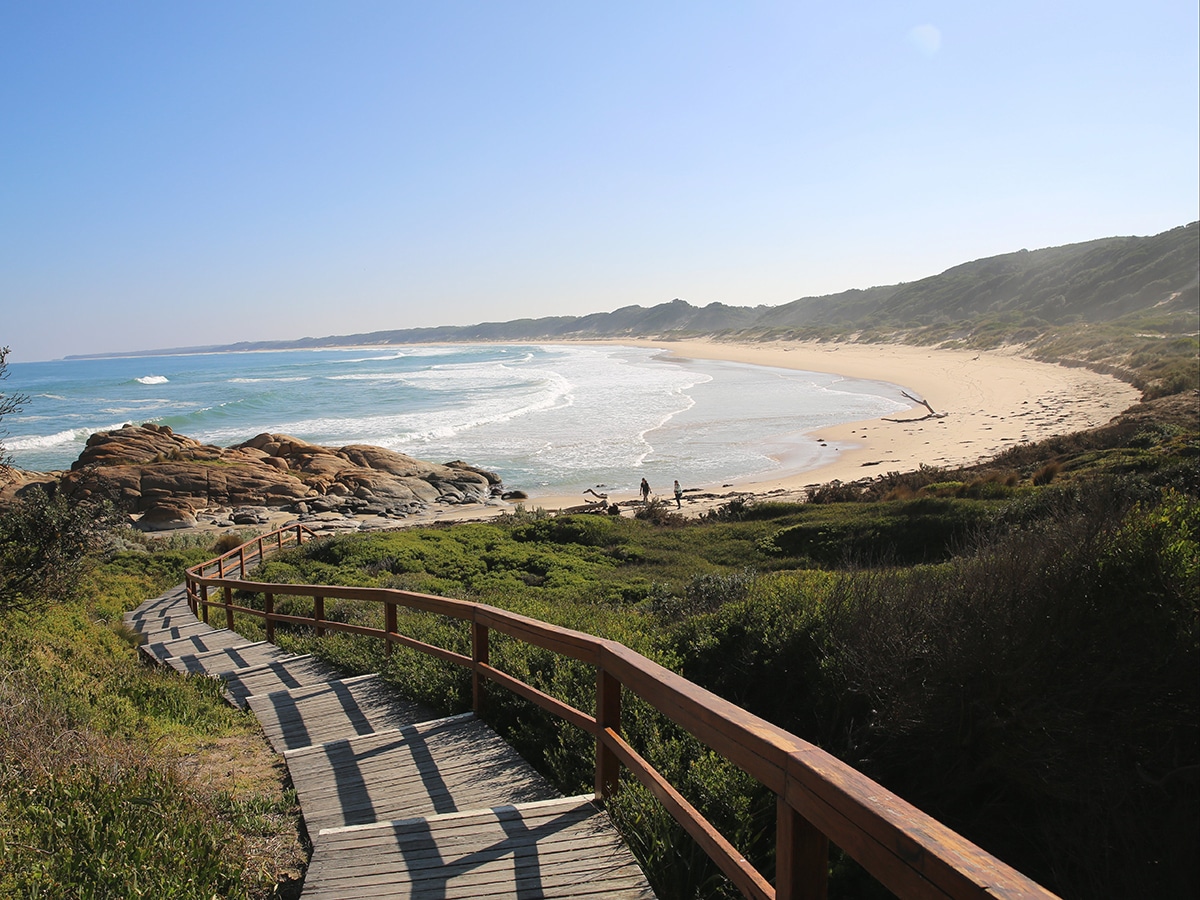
{"x":120,"y":779}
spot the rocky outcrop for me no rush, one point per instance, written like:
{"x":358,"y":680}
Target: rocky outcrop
{"x":167,"y":477}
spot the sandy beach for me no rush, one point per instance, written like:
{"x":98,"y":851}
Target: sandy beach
{"x":992,"y":400}
{"x":987,"y":401}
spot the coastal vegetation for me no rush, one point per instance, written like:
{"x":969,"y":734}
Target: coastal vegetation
{"x":1019,"y":659}
{"x":1010,"y":646}
{"x":118,"y":779}
{"x":10,"y":403}
{"x":1021,"y":663}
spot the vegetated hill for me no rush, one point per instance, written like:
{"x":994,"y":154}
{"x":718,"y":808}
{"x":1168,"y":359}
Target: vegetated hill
{"x":1096,"y":281}
{"x":1127,"y":305}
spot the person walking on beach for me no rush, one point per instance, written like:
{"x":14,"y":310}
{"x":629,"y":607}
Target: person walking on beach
{"x":645,"y":491}
{"x":678,"y":495}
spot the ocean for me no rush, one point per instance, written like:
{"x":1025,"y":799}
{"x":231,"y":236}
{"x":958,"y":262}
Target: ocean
{"x":550,"y":419}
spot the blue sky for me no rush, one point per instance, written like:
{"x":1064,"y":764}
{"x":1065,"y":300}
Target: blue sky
{"x":176,"y":174}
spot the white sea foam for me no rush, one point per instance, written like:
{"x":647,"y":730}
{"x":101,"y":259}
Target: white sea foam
{"x":152,"y":379}
{"x":140,"y":407}
{"x":376,"y":358}
{"x":372,"y":376}
{"x":280,"y":380}
{"x":425,"y":426}
{"x":58,"y":439}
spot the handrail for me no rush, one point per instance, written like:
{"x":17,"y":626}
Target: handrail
{"x":819,"y":798}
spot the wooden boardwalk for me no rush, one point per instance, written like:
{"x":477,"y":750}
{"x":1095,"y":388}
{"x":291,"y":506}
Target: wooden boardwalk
{"x":398,"y":801}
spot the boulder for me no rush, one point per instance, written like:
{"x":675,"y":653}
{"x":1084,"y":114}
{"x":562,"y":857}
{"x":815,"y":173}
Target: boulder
{"x":491,"y":477}
{"x":166,"y":516}
{"x":150,"y":469}
{"x":251,"y":515}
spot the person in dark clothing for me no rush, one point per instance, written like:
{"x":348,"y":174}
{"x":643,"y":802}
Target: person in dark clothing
{"x":645,"y":491}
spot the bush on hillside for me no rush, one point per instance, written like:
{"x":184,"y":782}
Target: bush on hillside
{"x":45,"y":539}
{"x":1040,"y":694}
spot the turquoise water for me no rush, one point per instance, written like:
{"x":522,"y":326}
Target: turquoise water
{"x":549,"y":418}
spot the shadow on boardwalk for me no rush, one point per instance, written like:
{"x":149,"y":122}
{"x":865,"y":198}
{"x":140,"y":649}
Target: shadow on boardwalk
{"x":400,"y":802}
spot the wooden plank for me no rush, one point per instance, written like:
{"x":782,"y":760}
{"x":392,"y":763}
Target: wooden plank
{"x":175,"y":595}
{"x":317,"y":713}
{"x":350,"y":863}
{"x":227,"y":660}
{"x":608,"y":717}
{"x":533,"y":872}
{"x":277,"y":675}
{"x":175,"y":630}
{"x":160,"y":608}
{"x":553,"y":705}
{"x":560,"y":848}
{"x":155,"y":619}
{"x":363,"y":797}
{"x":459,"y":609}
{"x":575,"y":644}
{"x":200,"y":642}
{"x":535,"y":857}
{"x":801,"y":856}
{"x":434,"y":767}
{"x":458,"y":827}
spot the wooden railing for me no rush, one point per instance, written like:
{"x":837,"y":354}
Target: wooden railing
{"x":819,"y":799}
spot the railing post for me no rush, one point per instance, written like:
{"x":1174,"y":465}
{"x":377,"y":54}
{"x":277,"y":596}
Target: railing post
{"x":801,"y":856}
{"x":479,"y":657}
{"x":204,"y":603}
{"x":608,"y":715}
{"x":319,"y":614}
{"x":229,"y":607}
{"x":220,"y":566}
{"x":269,"y":610}
{"x":389,"y":626}
{"x":242,"y":559}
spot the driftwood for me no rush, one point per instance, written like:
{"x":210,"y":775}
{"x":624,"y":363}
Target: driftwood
{"x":924,"y":403}
{"x":600,"y":498}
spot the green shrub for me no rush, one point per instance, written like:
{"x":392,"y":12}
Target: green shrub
{"x":898,"y":532}
{"x":45,"y":539}
{"x":585,"y":530}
